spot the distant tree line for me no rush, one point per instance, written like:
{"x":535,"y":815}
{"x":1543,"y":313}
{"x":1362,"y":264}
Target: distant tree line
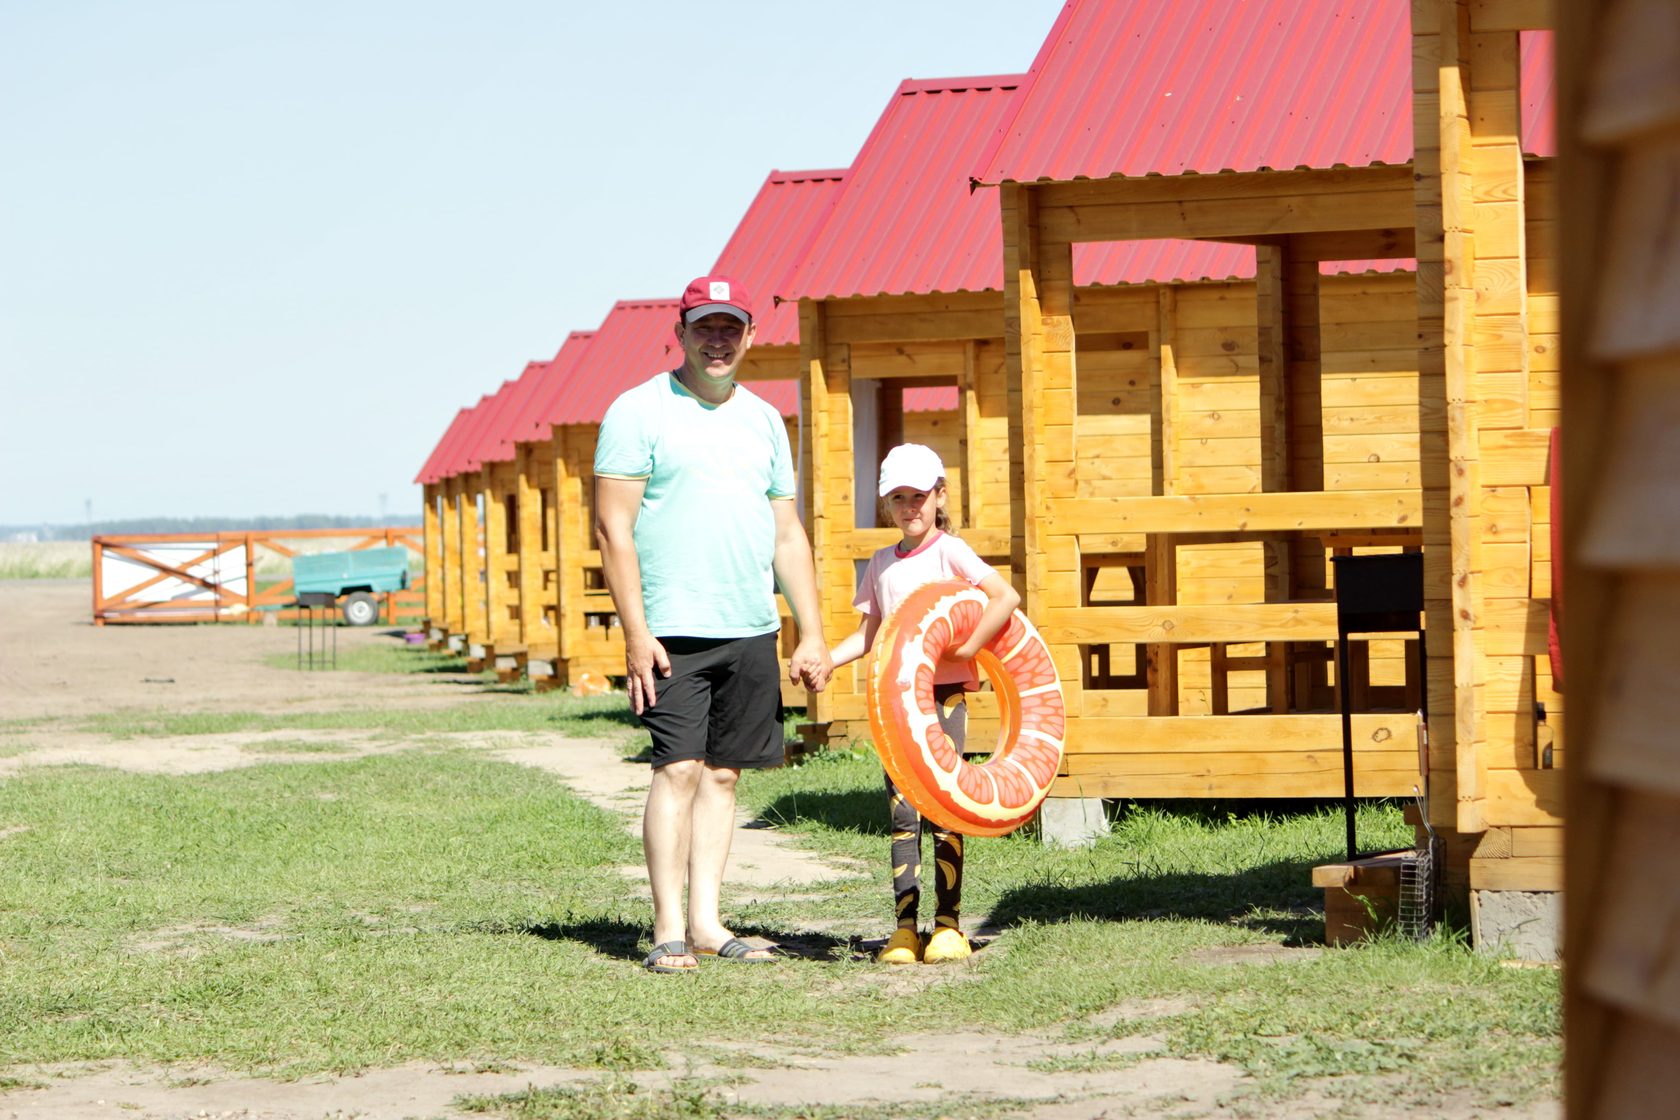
{"x":197,"y":525}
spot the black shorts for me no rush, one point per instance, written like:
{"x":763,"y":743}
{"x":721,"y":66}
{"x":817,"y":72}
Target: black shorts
{"x":721,"y":703}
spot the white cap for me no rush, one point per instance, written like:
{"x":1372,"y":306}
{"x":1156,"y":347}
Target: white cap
{"x":912,"y":465}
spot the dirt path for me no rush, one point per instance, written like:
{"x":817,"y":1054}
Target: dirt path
{"x":54,"y":663}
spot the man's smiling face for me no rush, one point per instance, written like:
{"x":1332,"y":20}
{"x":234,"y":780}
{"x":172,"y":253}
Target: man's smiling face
{"x":714,"y":345}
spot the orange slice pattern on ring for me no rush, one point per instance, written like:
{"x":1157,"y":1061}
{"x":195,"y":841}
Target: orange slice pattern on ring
{"x":994,"y":797}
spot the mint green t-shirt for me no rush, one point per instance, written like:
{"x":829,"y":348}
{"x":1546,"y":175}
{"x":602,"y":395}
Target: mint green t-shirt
{"x":705,"y":534}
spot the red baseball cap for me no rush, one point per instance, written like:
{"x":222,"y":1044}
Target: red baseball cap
{"x":707,"y":295}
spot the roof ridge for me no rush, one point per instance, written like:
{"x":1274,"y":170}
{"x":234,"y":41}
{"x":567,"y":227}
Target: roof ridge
{"x":951,"y":85}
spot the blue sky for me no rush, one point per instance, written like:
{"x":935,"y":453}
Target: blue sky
{"x":253,"y":256}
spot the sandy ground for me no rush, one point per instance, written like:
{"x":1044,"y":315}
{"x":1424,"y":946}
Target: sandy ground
{"x":55,"y":663}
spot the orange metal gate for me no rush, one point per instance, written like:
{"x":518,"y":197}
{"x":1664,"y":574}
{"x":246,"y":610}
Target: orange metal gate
{"x":228,"y":577}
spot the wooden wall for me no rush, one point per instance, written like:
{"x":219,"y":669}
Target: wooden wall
{"x":1488,"y":317}
{"x":1619,"y":72}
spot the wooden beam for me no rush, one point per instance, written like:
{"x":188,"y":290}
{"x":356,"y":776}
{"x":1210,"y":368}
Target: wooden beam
{"x":1192,"y":625}
{"x":1241,"y":513}
{"x":1512,"y":15}
{"x":1224,"y":206}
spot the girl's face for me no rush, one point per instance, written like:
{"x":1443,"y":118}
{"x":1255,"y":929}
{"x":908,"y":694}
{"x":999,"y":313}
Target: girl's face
{"x":915,"y":512}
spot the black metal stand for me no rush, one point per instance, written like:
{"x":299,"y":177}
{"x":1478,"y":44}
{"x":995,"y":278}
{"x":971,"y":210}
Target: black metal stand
{"x":317,"y":630}
{"x":1374,"y":595}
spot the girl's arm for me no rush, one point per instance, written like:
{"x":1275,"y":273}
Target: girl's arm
{"x":857,"y":643}
{"x":1002,"y":601}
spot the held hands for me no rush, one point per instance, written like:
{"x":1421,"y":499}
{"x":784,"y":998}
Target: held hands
{"x":644,"y":657}
{"x":811,"y":664}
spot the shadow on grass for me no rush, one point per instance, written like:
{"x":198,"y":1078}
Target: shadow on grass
{"x":1275,"y":898}
{"x":620,"y":940}
{"x":608,"y":936}
{"x":861,"y":810}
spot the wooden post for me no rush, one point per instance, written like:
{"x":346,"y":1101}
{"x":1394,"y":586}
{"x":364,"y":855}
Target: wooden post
{"x":570,"y":541}
{"x":432,"y":534}
{"x":496,"y":539}
{"x":1450,"y":469}
{"x":98,"y":582}
{"x":532,"y":633}
{"x":827,"y":473}
{"x":454,"y":547}
{"x":968,"y":406}
{"x":1022,"y":333}
{"x":1160,"y":559}
{"x":472,"y":557}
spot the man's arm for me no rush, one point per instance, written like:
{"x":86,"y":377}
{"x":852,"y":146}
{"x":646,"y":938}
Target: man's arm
{"x":796,"y":575}
{"x":617,"y":502}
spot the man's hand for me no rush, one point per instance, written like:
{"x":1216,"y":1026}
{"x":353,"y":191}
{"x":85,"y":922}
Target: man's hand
{"x":810,"y":664}
{"x":643,"y":658}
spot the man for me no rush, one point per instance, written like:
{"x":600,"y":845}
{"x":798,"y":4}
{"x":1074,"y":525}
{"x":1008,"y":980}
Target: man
{"x":694,"y":508}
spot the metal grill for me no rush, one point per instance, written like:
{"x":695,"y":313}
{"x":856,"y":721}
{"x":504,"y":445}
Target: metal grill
{"x":1419,"y":870}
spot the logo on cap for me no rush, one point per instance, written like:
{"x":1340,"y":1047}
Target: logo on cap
{"x":720,"y":289}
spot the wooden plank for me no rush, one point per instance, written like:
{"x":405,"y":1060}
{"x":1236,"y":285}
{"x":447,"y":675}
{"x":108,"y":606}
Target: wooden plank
{"x":1232,"y":622}
{"x":1517,"y":873}
{"x":1379,"y":732}
{"x":1524,"y":797}
{"x":1512,"y":15}
{"x":1318,"y":783}
{"x":1537,"y":841}
{"x":1252,"y":513}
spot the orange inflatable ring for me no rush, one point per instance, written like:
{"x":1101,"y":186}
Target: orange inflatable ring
{"x":999,"y":795}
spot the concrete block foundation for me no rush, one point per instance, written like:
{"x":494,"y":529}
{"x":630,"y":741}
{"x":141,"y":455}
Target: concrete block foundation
{"x":1525,"y":924}
{"x":1072,"y":822}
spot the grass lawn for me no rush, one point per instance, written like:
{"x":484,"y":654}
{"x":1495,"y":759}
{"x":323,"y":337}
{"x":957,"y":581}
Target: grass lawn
{"x":438,"y":905}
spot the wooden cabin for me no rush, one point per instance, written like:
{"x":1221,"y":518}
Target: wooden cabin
{"x":499,"y":639}
{"x":535,"y":577}
{"x":461,"y":537}
{"x":430,"y":479}
{"x":1619,"y":120}
{"x":880,"y":327}
{"x":1320,"y":416}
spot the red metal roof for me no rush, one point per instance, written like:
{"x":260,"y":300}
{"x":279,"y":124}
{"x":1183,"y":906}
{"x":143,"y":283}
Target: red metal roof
{"x":1164,"y":87}
{"x":634,"y":342}
{"x":534,"y":421}
{"x":905,"y":220}
{"x":485,"y":434}
{"x":472,"y":429}
{"x":1537,"y":85}
{"x":772,"y":239}
{"x":782,"y":395}
{"x":429,"y":469}
{"x":513,"y":416}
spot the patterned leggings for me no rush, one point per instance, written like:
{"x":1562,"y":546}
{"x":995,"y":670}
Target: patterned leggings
{"x":947,"y":846}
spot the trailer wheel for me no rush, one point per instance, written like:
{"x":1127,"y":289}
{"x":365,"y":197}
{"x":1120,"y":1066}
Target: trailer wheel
{"x":360,"y":609}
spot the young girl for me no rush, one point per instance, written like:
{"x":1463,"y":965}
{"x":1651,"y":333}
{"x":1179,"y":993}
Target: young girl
{"x":912,"y":490}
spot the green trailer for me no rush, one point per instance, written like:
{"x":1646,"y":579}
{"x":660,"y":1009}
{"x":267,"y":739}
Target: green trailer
{"x":352,"y":579}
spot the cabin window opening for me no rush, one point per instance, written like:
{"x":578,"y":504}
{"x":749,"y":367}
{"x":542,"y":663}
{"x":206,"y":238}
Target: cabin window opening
{"x":886,"y":413}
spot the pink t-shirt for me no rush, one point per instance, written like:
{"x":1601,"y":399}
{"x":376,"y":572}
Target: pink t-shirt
{"x":892,"y":575}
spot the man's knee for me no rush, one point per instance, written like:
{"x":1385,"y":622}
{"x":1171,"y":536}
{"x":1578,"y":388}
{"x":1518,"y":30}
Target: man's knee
{"x":682,"y":775}
{"x":721,"y":777}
